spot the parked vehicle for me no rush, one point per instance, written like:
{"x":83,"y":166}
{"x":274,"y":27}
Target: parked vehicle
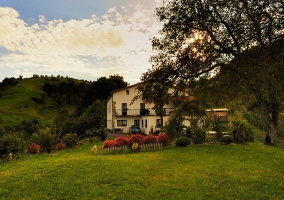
{"x":134,"y":129}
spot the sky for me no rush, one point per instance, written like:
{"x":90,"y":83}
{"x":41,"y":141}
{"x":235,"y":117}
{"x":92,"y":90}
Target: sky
{"x":84,"y":39}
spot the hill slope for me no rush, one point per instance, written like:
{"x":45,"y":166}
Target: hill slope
{"x":19,"y":103}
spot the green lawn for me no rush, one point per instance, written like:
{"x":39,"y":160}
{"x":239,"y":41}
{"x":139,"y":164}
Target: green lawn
{"x":249,"y":171}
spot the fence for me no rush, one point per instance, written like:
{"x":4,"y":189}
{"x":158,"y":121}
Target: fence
{"x":151,"y":147}
{"x":114,"y":150}
{"x":124,"y":149}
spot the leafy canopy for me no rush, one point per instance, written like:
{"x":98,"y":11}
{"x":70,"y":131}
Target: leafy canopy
{"x":233,"y":42}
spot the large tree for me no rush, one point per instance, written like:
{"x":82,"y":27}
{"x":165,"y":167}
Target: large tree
{"x":241,"y":40}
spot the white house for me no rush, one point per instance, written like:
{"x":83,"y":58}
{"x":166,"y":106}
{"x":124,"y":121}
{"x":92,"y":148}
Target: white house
{"x":121,"y":114}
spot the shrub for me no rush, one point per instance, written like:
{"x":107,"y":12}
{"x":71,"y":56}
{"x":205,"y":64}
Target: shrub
{"x":61,"y":146}
{"x":199,"y":136}
{"x":164,"y":139}
{"x":2,"y":131}
{"x":182,"y":141}
{"x":109,"y":144}
{"x":70,"y":139}
{"x":121,"y":141}
{"x":138,"y":138}
{"x":151,"y":139}
{"x":46,"y":139}
{"x":102,"y":133}
{"x":188,"y":132}
{"x":33,"y":148}
{"x":157,"y":132}
{"x":11,"y":144}
{"x":227,"y":140}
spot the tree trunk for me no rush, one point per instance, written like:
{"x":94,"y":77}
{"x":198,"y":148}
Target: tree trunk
{"x":271,"y":124}
{"x":162,"y":122}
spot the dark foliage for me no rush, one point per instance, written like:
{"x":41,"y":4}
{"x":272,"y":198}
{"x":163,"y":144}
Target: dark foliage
{"x":182,"y":142}
{"x":9,"y":81}
{"x":83,"y":94}
{"x":227,"y":140}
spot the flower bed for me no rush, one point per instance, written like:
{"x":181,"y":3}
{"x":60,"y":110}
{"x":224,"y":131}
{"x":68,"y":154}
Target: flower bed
{"x":137,"y":139}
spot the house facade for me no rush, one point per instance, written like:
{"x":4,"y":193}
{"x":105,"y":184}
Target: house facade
{"x":121,"y":114}
{"x":218,"y":114}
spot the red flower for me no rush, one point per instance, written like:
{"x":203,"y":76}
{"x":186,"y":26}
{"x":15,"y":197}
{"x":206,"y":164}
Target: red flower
{"x":164,"y":139}
{"x":151,"y":139}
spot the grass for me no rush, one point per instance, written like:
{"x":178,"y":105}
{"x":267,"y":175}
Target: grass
{"x":250,"y":171}
{"x":16,"y":103}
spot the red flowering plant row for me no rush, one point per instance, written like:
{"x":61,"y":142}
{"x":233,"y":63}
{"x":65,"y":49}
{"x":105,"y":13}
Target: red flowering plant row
{"x":137,"y":138}
{"x":34,"y":148}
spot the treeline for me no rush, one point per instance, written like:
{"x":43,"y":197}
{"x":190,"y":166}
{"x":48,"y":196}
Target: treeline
{"x":88,"y":98}
{"x":89,"y":119}
{"x":9,"y":81}
{"x":83,"y":94}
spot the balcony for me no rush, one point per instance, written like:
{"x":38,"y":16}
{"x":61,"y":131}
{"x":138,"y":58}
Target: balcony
{"x":141,"y":112}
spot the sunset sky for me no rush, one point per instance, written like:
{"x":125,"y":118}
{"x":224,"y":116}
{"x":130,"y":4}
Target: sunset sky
{"x":84,"y":39}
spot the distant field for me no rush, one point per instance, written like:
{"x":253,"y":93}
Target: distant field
{"x":17,"y":105}
{"x":249,"y":171}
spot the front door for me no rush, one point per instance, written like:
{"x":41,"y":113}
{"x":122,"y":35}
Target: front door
{"x":136,"y":122}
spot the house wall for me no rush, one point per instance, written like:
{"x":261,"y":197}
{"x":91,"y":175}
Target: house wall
{"x":121,"y":97}
{"x":125,"y":96}
{"x":109,"y":113}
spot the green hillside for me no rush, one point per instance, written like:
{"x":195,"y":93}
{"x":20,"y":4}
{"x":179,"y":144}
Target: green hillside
{"x":17,"y":103}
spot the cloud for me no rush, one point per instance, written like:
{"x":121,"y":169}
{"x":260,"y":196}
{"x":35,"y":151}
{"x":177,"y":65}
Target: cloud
{"x":118,"y":43}
{"x":41,"y":19}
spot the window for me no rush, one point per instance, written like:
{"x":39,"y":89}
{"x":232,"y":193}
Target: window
{"x":158,"y":122}
{"x":142,"y":106}
{"x":146,"y":123}
{"x":136,"y":122}
{"x":124,"y":108}
{"x":121,"y":122}
{"x":127,"y":92}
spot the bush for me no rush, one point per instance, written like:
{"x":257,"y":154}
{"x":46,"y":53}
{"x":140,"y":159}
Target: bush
{"x":102,"y":133}
{"x":188,"y":132}
{"x":182,"y":142}
{"x":11,"y":144}
{"x":227,"y":140}
{"x":70,"y":139}
{"x":2,"y":131}
{"x":33,"y":148}
{"x":157,"y":132}
{"x":61,"y":146}
{"x":109,"y":144}
{"x":137,"y":138}
{"x":199,"y":136}
{"x":151,"y":139}
{"x":46,"y":139}
{"x":121,"y":141}
{"x":164,"y":139}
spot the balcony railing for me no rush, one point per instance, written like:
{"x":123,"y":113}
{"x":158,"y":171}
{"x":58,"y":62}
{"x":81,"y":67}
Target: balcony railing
{"x":141,"y":112}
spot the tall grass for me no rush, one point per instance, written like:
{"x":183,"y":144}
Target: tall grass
{"x":250,"y":171}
